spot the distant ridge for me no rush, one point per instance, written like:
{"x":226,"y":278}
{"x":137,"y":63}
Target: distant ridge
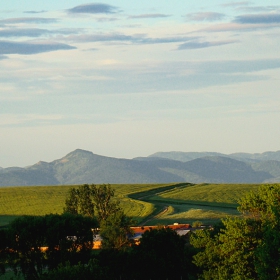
{"x":184,"y":156}
{"x":187,"y":156}
{"x":80,"y":166}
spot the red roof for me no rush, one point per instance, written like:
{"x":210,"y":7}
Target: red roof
{"x":142,"y":229}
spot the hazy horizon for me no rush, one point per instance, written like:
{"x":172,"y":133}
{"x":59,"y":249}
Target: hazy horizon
{"x":135,"y":156}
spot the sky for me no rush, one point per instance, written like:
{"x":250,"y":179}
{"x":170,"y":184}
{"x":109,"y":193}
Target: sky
{"x":130,"y":78}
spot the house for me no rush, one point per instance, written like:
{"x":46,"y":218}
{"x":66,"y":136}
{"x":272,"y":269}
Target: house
{"x":181,"y":229}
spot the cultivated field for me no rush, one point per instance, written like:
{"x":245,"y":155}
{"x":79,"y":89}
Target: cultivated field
{"x":146,"y":203}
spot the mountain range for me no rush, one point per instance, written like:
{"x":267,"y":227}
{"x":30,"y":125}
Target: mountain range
{"x":80,"y":166}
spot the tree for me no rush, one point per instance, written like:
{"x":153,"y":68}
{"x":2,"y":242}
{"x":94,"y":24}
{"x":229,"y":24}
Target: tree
{"x":29,"y":234}
{"x":105,"y":206}
{"x":27,"y":238}
{"x":231,"y":253}
{"x":247,"y":247}
{"x":72,"y":202}
{"x":161,"y":254}
{"x":264,"y":206}
{"x":86,"y":204}
{"x":115,"y":231}
{"x":91,"y":270}
{"x":4,"y":251}
{"x":79,"y":201}
{"x":90,"y":199}
{"x":68,"y":238}
{"x":99,"y":200}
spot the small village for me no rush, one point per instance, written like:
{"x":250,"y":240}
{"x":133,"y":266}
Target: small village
{"x":180,"y":229}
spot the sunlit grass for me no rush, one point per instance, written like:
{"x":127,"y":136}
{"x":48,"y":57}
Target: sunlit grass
{"x":32,"y":200}
{"x":209,"y":193}
{"x":190,"y":213}
{"x":185,"y":202}
{"x":38,"y":200}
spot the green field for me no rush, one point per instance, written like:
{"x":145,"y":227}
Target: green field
{"x":183,"y":203}
{"x":222,"y":195}
{"x":38,"y":200}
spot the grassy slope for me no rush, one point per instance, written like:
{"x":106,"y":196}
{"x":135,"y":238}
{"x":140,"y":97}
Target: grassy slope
{"x":18,"y":201}
{"x":185,"y":202}
{"x":205,"y":202}
{"x":208,"y":194}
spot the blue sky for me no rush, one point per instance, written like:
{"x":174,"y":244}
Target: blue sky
{"x":127,"y":79}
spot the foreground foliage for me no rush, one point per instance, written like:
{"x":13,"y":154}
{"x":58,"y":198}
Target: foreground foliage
{"x":89,"y":271}
{"x":98,"y":202}
{"x":161,"y":254}
{"x":244,"y":248}
{"x":39,"y":242}
{"x":115,"y":231}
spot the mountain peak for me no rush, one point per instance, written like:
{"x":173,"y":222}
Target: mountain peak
{"x":79,"y":151}
{"x":81,"y":166}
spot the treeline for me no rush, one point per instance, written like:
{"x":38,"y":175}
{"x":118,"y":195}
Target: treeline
{"x":247,"y":247}
{"x":40,"y":248}
{"x":33,"y":244}
{"x":60,"y":246}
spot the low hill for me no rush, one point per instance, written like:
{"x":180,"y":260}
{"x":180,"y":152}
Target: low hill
{"x":79,"y":167}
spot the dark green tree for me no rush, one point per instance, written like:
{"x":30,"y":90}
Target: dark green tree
{"x":161,"y":254}
{"x":27,"y":238}
{"x":72,"y":202}
{"x":68,"y":238}
{"x":264,"y":206}
{"x":115,"y":231}
{"x":85,"y":193}
{"x":99,"y":200}
{"x":88,"y":271}
{"x":79,"y":201}
{"x":247,"y":247}
{"x":90,"y":200}
{"x":37,"y":242}
{"x":105,"y":205}
{"x":4,"y":249}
